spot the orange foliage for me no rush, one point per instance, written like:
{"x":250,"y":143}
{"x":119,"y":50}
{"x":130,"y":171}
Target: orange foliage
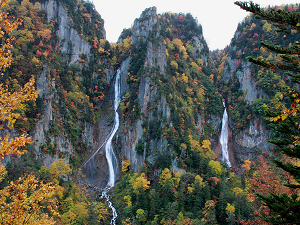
{"x":21,"y":202}
{"x":266,"y":178}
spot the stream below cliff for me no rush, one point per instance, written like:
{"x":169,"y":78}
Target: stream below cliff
{"x":109,"y":151}
{"x":92,"y":165}
{"x":224,"y":137}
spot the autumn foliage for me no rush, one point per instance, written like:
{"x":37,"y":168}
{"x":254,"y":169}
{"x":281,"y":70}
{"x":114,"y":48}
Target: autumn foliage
{"x":27,"y":200}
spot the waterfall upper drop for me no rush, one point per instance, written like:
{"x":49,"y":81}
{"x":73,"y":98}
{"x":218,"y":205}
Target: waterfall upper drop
{"x":224,"y":137}
{"x":109,"y":151}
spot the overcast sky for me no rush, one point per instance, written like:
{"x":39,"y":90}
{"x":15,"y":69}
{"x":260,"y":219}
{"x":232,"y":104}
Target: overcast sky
{"x":219,"y":18}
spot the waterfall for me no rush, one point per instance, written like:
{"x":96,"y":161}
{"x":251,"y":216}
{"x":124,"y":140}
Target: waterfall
{"x":224,"y":137}
{"x":109,"y":151}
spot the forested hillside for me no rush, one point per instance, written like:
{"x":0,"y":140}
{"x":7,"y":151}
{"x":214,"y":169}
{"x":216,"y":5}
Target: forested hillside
{"x":174,"y":93}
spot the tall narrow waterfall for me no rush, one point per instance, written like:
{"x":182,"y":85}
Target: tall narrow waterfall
{"x":224,"y":137}
{"x":109,"y":151}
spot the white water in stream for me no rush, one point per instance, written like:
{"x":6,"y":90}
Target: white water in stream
{"x":224,"y":137}
{"x":109,"y":151}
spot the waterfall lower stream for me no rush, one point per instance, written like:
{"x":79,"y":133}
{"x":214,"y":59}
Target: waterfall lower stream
{"x":109,"y":151}
{"x":224,"y":137}
{"x":111,"y":158}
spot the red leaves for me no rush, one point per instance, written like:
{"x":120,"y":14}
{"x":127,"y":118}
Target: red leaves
{"x":95,"y":45}
{"x":215,"y":179}
{"x":39,"y":53}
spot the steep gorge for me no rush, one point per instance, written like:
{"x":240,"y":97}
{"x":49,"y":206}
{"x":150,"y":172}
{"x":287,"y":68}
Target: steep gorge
{"x":159,"y":54}
{"x":172,"y":100}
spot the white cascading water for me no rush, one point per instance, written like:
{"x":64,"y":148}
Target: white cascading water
{"x":224,"y":137}
{"x":109,"y":151}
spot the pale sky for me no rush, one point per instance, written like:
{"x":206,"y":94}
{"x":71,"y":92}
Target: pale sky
{"x":219,"y":18}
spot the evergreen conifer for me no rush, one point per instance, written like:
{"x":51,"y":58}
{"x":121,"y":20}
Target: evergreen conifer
{"x":285,"y":209}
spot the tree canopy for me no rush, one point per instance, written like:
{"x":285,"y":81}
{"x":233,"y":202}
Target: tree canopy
{"x":283,"y":115}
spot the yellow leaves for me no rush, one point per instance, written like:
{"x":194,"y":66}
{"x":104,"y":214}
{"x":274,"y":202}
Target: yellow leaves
{"x":24,"y":201}
{"x":199,"y":180}
{"x":185,"y":78}
{"x":12,"y":101}
{"x":10,"y":146}
{"x":86,"y":16}
{"x":250,"y":197}
{"x":35,"y":60}
{"x":230,"y":209}
{"x":193,"y":64}
{"x":3,"y":172}
{"x":59,"y":190}
{"x":127,"y":199}
{"x":208,"y":212}
{"x":170,"y":46}
{"x":60,"y":168}
{"x":139,"y":182}
{"x":216,"y":166}
{"x":247,"y":164}
{"x":267,"y":27}
{"x":207,"y":152}
{"x":127,"y":43}
{"x":176,"y":179}
{"x":77,"y":97}
{"x":200,"y":62}
{"x":6,"y":27}
{"x":204,"y":149}
{"x":284,"y":116}
{"x":167,"y":53}
{"x":101,"y":210}
{"x":189,"y":90}
{"x":190,"y":190}
{"x":183,"y":146}
{"x":79,"y":211}
{"x":125,"y":165}
{"x":140,"y":215}
{"x":211,"y":78}
{"x":174,"y":64}
{"x":206,"y":144}
{"x":102,"y":42}
{"x":166,"y":178}
{"x":253,"y":25}
{"x":237,"y":191}
{"x":200,"y":93}
{"x":177,"y":42}
{"x":101,"y":50}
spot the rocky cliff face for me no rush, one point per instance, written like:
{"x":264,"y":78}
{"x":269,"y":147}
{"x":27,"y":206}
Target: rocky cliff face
{"x":153,"y":105}
{"x":93,"y":135}
{"x":164,"y":115}
{"x":243,"y":73}
{"x":250,"y":141}
{"x":71,"y":41}
{"x":147,"y":93}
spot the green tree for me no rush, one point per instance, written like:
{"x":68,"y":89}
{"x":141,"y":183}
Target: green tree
{"x":284,"y":118}
{"x":140,"y":216}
